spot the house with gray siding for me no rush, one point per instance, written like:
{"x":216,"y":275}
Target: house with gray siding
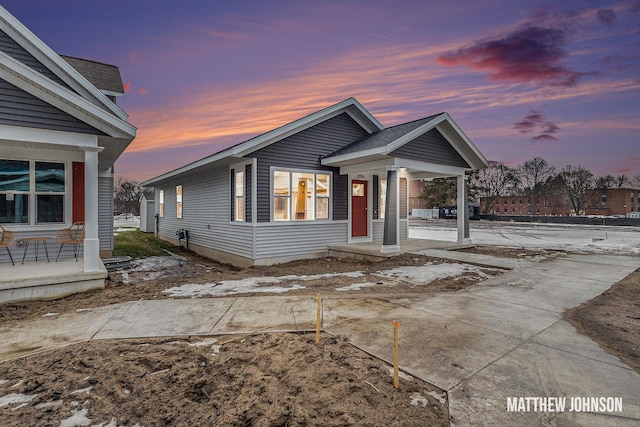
{"x":60,"y":134}
{"x":336,"y":176}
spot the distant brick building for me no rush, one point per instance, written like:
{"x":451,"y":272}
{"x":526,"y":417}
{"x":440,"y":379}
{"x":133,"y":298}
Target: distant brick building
{"x":606,"y":202}
{"x":416,"y":188}
{"x":614,"y":201}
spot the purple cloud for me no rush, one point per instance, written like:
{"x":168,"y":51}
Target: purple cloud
{"x":529,"y":54}
{"x":607,"y":17}
{"x":535,"y":121}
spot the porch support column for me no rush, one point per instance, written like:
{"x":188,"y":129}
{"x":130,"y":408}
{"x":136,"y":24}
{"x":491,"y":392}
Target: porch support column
{"x":391,"y":239}
{"x":91,"y":246}
{"x":463,"y":211}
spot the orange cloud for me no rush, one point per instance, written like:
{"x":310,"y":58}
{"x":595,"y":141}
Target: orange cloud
{"x":143,"y":91}
{"x":127,"y":86}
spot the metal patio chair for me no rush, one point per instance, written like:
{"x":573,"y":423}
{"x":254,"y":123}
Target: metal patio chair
{"x":73,"y":235}
{"x":7,"y":240}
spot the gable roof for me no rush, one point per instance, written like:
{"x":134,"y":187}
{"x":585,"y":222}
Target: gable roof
{"x":105,"y":77}
{"x":350,"y":106}
{"x":27,"y":63}
{"x":379,"y":145}
{"x":71,"y":77}
{"x":381,"y":138}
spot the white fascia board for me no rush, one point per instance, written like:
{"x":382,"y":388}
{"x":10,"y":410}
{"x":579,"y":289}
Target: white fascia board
{"x":264,"y":140}
{"x":414,"y":134}
{"x":349,"y":157}
{"x":22,"y":76}
{"x":366,"y":112}
{"x":367,"y":166}
{"x":444,"y":170}
{"x":43,"y":53}
{"x":70,"y":140}
{"x":469,"y":143}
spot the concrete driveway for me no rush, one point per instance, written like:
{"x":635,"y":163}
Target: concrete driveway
{"x":501,"y":339}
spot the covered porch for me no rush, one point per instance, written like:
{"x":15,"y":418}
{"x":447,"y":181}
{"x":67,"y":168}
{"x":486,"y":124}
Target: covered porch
{"x":44,"y":280}
{"x":370,"y":251}
{"x":380,"y":167}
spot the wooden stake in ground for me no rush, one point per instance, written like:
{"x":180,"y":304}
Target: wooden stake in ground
{"x":396,"y":379}
{"x":318,"y":320}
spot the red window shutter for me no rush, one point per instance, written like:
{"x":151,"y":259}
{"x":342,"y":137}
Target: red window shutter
{"x":78,"y":191}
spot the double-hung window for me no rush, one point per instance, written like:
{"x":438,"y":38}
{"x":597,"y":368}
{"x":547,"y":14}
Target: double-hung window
{"x":32,"y":192}
{"x":239,"y":196}
{"x":161,"y":207}
{"x":179,"y":201}
{"x":301,"y":196}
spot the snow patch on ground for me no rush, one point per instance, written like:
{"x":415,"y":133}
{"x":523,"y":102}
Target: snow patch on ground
{"x":156,"y":266}
{"x":429,"y":272}
{"x":615,"y":240}
{"x":14,"y":398}
{"x":418,"y":275}
{"x":230,"y":287}
{"x":79,"y":418}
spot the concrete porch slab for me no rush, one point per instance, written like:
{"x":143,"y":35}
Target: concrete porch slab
{"x":371,"y":250}
{"x":47,"y":280}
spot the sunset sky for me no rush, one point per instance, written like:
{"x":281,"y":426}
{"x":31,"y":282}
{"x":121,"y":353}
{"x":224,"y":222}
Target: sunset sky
{"x":554,"y":79}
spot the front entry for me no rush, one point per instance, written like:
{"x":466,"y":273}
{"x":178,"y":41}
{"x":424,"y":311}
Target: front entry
{"x":359,"y":217}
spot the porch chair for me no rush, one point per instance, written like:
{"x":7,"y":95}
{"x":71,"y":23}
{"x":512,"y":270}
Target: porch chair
{"x":7,"y":240}
{"x":73,"y":235}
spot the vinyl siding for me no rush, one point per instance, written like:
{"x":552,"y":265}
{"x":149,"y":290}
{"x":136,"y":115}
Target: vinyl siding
{"x":378,"y":230}
{"x":298,"y":239}
{"x":304,"y":150}
{"x":20,"y":108}
{"x":205,"y":212}
{"x":14,"y":50}
{"x":105,"y":213}
{"x":431,"y":147}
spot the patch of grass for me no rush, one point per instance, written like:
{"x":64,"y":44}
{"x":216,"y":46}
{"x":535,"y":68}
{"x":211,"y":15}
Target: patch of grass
{"x":137,"y":244}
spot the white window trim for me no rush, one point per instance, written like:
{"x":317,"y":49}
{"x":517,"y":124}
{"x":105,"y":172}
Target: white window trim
{"x":161,"y":203}
{"x":32,"y":195}
{"x":291,"y":171}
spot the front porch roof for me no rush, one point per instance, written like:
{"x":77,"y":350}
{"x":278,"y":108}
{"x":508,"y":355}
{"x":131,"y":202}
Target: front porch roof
{"x":378,"y":147}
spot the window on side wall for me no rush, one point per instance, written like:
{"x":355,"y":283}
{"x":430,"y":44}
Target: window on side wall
{"x":178,"y":201}
{"x":161,"y":203}
{"x":239,"y":196}
{"x":301,"y":196}
{"x":32,"y":192}
{"x":383,"y":198}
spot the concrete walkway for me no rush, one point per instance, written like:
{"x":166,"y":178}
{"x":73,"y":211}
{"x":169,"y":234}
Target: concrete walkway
{"x":503,"y":338}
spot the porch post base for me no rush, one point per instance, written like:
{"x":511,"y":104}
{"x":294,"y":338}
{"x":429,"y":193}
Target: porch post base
{"x":390,"y":249}
{"x":91,"y":248}
{"x":465,"y":241}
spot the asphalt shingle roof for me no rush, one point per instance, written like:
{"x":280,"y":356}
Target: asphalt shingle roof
{"x":383,"y":137}
{"x":103,"y":76}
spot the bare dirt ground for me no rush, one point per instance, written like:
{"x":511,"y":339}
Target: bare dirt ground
{"x":253,"y":380}
{"x":140,"y":284}
{"x":260,"y":380}
{"x":612,"y":319}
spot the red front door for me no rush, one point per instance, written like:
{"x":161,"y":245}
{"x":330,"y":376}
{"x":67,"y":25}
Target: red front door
{"x":359,"y":217}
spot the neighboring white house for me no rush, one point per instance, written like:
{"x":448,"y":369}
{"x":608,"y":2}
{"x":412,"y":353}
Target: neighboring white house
{"x":633,"y":215}
{"x":60,"y":134}
{"x":333,"y":177}
{"x":147,"y":212}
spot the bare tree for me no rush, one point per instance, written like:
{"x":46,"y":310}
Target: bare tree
{"x":534,"y":174}
{"x":440,"y":192}
{"x":605,"y":182}
{"x":577,"y":182}
{"x":621,"y":181}
{"x":498,"y":180}
{"x":126,"y":194}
